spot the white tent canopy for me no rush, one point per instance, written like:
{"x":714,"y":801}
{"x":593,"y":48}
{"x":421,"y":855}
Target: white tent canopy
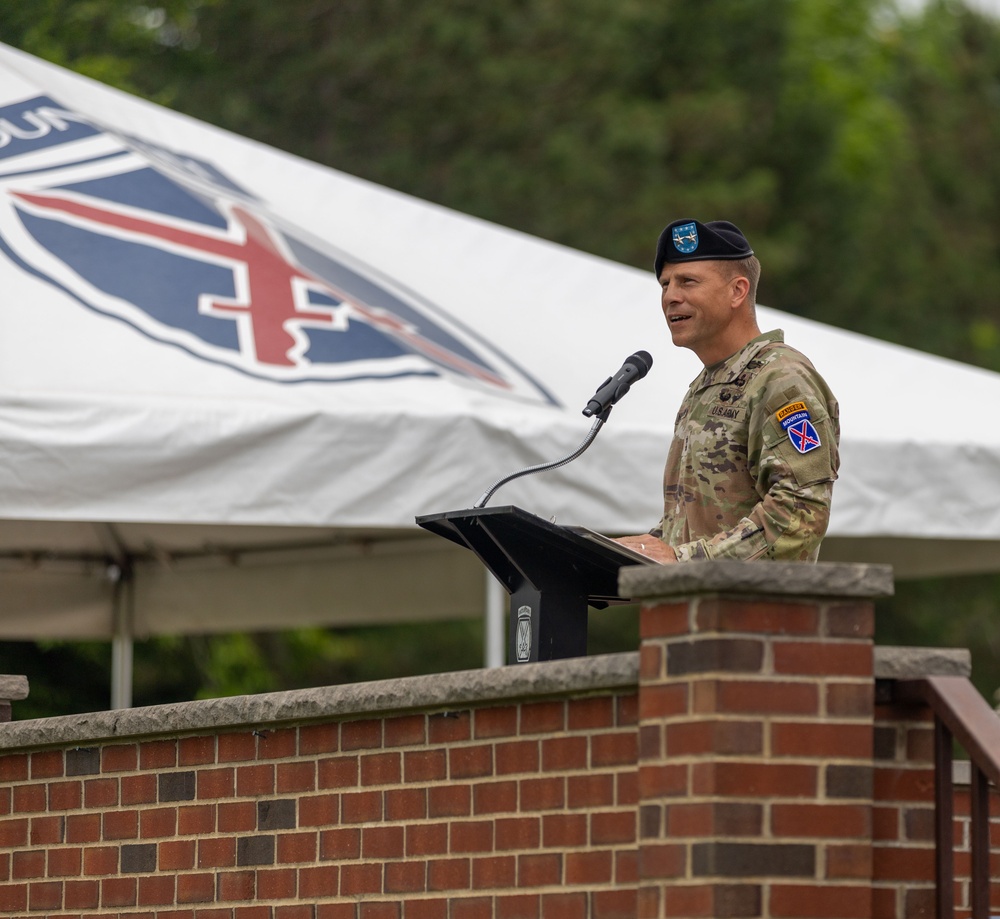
{"x":230,"y":378}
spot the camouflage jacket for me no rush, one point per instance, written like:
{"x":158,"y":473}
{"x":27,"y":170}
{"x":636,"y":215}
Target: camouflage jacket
{"x":753,"y":459}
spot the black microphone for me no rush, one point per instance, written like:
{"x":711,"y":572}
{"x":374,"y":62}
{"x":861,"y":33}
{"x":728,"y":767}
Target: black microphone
{"x":636,"y":366}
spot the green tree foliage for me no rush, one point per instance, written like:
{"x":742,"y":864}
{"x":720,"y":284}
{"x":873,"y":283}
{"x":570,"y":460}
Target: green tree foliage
{"x":854,"y":144}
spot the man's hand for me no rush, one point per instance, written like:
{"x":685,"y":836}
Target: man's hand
{"x":649,"y":546}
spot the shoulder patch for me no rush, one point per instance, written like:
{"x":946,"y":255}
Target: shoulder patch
{"x":794,"y":418}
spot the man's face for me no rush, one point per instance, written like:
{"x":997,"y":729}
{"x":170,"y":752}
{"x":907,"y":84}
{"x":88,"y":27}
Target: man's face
{"x":696,"y":298}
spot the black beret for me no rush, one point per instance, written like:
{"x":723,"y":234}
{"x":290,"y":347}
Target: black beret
{"x":690,"y":241}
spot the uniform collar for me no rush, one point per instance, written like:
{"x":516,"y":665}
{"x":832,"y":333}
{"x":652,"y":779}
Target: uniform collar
{"x":728,"y":370}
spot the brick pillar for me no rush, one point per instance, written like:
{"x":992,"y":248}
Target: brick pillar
{"x":756,"y":697}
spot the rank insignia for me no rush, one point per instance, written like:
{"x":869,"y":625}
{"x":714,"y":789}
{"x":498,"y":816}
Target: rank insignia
{"x":794,"y":418}
{"x":685,"y":238}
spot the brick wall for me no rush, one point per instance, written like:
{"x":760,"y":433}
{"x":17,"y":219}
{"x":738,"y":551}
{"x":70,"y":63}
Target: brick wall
{"x":735,"y":767}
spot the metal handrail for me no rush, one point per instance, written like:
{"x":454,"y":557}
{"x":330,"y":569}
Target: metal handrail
{"x":962,"y":714}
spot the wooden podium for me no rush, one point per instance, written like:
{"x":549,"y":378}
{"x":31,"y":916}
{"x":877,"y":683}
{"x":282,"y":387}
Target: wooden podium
{"x":552,"y":573}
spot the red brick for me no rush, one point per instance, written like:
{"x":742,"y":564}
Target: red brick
{"x":618,"y":749}
{"x":423,"y":839}
{"x":319,"y":810}
{"x":28,"y":864}
{"x":15,"y":832}
{"x":236,"y":748}
{"x":28,"y":799}
{"x":724,"y":738}
{"x":405,"y":877}
{"x":100,"y":860}
{"x":476,"y":836}
{"x":47,"y":764}
{"x":758,"y":697}
{"x":543,"y":717}
{"x":406,"y":804}
{"x":822,"y":741}
{"x":541,"y":870}
{"x":613,"y":828}
{"x":66,"y":796}
{"x":277,"y":744}
{"x":663,"y":780}
{"x":361,"y":807}
{"x":892,"y":864}
{"x":81,"y":827}
{"x":754,"y":780}
{"x":217,"y":852}
{"x":451,"y":727}
{"x":255,"y":780}
{"x":81,"y":894}
{"x":496,"y":722}
{"x":663,"y":700}
{"x":65,"y":862}
{"x":850,"y":700}
{"x":44,"y":895}
{"x":517,"y":833}
{"x":158,"y":890}
{"x":590,"y":791}
{"x":295,"y":777}
{"x":849,"y":861}
{"x":542,"y":794}
{"x":851,"y":620}
{"x":319,"y":738}
{"x":518,"y":906}
{"x":449,"y":874}
{"x":318,"y":882}
{"x":158,"y":754}
{"x":236,"y":885}
{"x":118,"y":892}
{"x":97,"y":793}
{"x":176,"y":854}
{"x":823,"y":658}
{"x":47,"y":830}
{"x":492,"y":872}
{"x":297,"y":847}
{"x":433,"y":909}
{"x":120,"y":758}
{"x":885,"y":823}
{"x":216,"y":783}
{"x":425,"y":765}
{"x":561,"y":831}
{"x":564,"y":753}
{"x":196,"y":751}
{"x":338,"y":772}
{"x":361,"y":735}
{"x":195,"y":888}
{"x":340,"y":844}
{"x":360,"y":879}
{"x":406,"y":731}
{"x":196,"y":820}
{"x":494,"y":798}
{"x":237,"y":817}
{"x":14,"y":768}
{"x":470,"y":762}
{"x":903,"y":784}
{"x":120,"y":825}
{"x":664,"y":620}
{"x":590,"y":714}
{"x":517,"y":756}
{"x":370,"y":910}
{"x":381,"y":769}
{"x":822,"y":820}
{"x":762,"y":616}
{"x":805,"y":901}
{"x":588,"y":868}
{"x":661,"y":861}
{"x":14,"y":897}
{"x":449,"y":801}
{"x":138,"y":789}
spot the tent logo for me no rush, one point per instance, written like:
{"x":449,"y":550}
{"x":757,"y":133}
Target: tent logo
{"x":172,"y":246}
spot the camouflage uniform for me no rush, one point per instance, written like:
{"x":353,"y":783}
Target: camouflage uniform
{"x":735,"y":485}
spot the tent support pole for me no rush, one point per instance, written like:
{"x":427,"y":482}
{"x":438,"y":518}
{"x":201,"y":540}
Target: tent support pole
{"x":495,"y":626}
{"x":122,"y":643}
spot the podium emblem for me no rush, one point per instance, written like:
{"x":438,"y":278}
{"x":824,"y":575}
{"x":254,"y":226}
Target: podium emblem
{"x":523,"y":634}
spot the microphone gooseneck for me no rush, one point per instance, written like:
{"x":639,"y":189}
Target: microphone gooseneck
{"x":636,"y":366}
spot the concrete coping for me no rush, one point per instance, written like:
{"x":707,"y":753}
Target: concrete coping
{"x":13,"y":687}
{"x":893,"y":663}
{"x":775,"y":579}
{"x":436,"y":692}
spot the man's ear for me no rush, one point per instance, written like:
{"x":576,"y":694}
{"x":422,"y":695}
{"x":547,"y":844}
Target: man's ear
{"x":740,"y":288}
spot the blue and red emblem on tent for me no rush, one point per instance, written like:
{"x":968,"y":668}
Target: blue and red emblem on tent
{"x":169,"y":244}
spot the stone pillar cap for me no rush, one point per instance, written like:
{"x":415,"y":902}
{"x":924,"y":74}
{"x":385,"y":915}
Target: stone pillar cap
{"x":795,"y":579}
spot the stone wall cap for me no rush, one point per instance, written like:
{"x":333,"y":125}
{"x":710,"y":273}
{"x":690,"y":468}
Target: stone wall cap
{"x":795,"y":579}
{"x":892,"y":663}
{"x":435,"y":692}
{"x":13,"y":688}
